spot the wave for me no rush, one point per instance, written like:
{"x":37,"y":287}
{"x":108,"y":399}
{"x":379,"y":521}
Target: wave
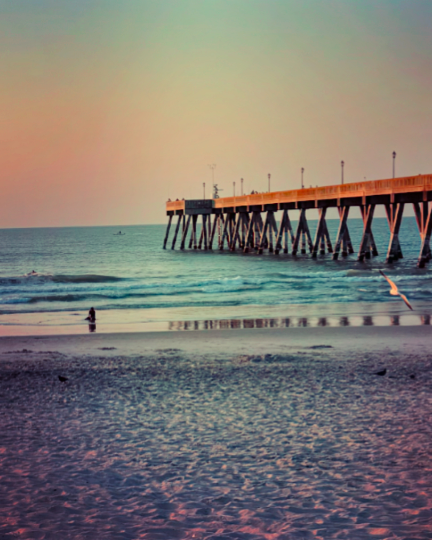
{"x":58,"y":278}
{"x":67,"y":288}
{"x":85,"y":278}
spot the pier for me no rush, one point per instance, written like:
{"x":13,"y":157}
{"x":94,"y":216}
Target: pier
{"x":249,"y":222}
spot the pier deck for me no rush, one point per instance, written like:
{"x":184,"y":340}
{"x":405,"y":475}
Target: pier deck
{"x":239,"y":220}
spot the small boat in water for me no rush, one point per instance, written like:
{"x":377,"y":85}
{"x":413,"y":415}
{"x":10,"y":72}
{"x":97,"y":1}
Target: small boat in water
{"x":119,"y":233}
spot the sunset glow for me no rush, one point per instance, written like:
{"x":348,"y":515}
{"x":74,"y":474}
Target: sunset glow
{"x":109,"y":108}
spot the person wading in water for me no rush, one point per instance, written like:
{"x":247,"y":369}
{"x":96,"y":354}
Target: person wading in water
{"x":91,"y":315}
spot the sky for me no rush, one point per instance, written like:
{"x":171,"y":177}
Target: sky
{"x":108,"y":108}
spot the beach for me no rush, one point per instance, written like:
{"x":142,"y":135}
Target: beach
{"x":276,"y":433}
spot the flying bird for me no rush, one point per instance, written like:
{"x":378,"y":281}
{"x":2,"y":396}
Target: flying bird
{"x":395,"y":292}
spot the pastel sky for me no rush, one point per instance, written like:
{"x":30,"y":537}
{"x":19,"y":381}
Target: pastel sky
{"x":109,"y":107}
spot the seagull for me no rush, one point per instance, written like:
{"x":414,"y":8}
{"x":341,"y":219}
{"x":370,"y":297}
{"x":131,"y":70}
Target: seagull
{"x":395,"y":292}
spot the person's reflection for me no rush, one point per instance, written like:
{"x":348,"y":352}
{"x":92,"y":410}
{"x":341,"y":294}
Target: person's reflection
{"x":92,"y":327}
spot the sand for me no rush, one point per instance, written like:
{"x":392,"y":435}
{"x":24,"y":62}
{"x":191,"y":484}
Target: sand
{"x":248,"y":434}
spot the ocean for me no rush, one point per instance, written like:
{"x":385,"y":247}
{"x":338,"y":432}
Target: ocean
{"x":50,"y":277}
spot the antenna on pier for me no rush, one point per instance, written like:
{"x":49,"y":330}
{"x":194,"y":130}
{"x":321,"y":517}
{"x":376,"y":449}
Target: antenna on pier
{"x":212,"y":167}
{"x":216,"y":191}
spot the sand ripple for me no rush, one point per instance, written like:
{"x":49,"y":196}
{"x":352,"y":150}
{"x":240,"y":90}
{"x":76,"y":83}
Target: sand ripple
{"x":311,"y":445}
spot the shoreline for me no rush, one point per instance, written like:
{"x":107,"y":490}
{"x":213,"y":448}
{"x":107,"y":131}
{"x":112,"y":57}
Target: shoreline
{"x":414,"y":339}
{"x":378,"y":314}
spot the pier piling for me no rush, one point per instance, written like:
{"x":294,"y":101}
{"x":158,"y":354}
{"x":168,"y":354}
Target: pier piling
{"x":394,"y":217}
{"x":167,"y":232}
{"x":367,"y":242}
{"x":176,"y":232}
{"x":423,"y":214}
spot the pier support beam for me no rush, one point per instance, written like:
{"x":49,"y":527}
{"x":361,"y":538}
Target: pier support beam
{"x":244,"y":229}
{"x":176,"y":232}
{"x":347,"y":247}
{"x":367,"y":244}
{"x":284,"y":229}
{"x":204,"y":230}
{"x":423,"y":214}
{"x":303,"y":232}
{"x":227,"y":230}
{"x":167,"y":232}
{"x":321,"y":235}
{"x":185,"y":231}
{"x":249,"y":233}
{"x":193,"y":241}
{"x":327,"y":238}
{"x":263,"y":240}
{"x":272,"y":228}
{"x":221,"y":226}
{"x":254,"y":232}
{"x":342,"y":231}
{"x":212,"y":230}
{"x":236,"y":227}
{"x":394,"y":217}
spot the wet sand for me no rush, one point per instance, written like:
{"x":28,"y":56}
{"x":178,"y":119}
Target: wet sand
{"x":249,"y":434}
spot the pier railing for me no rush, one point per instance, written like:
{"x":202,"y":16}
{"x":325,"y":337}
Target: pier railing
{"x":408,"y":184}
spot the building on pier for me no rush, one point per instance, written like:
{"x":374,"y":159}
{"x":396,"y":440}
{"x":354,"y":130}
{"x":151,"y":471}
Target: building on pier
{"x":248,"y":222}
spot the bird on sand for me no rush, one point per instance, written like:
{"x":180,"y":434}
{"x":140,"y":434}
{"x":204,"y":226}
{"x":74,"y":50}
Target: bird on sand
{"x":62,"y":379}
{"x":395,"y":292}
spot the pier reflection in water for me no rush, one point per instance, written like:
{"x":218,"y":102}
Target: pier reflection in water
{"x":302,"y":322}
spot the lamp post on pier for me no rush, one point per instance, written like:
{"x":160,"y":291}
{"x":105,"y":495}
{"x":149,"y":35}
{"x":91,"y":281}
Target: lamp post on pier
{"x":302,"y":171}
{"x":269,"y":176}
{"x":234,"y":189}
{"x":394,"y":163}
{"x":342,"y":171}
{"x":204,"y":189}
{"x":241,"y":184}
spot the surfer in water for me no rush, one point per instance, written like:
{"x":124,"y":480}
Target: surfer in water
{"x":91,"y":315}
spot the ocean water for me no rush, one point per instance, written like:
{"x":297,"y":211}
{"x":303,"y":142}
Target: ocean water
{"x":130,"y":280}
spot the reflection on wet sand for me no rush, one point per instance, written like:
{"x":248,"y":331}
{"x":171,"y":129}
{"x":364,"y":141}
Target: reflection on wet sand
{"x":425,"y":320}
{"x":395,"y":320}
{"x":300,"y":322}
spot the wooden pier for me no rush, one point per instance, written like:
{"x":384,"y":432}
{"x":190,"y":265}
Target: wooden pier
{"x":248,"y":222}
